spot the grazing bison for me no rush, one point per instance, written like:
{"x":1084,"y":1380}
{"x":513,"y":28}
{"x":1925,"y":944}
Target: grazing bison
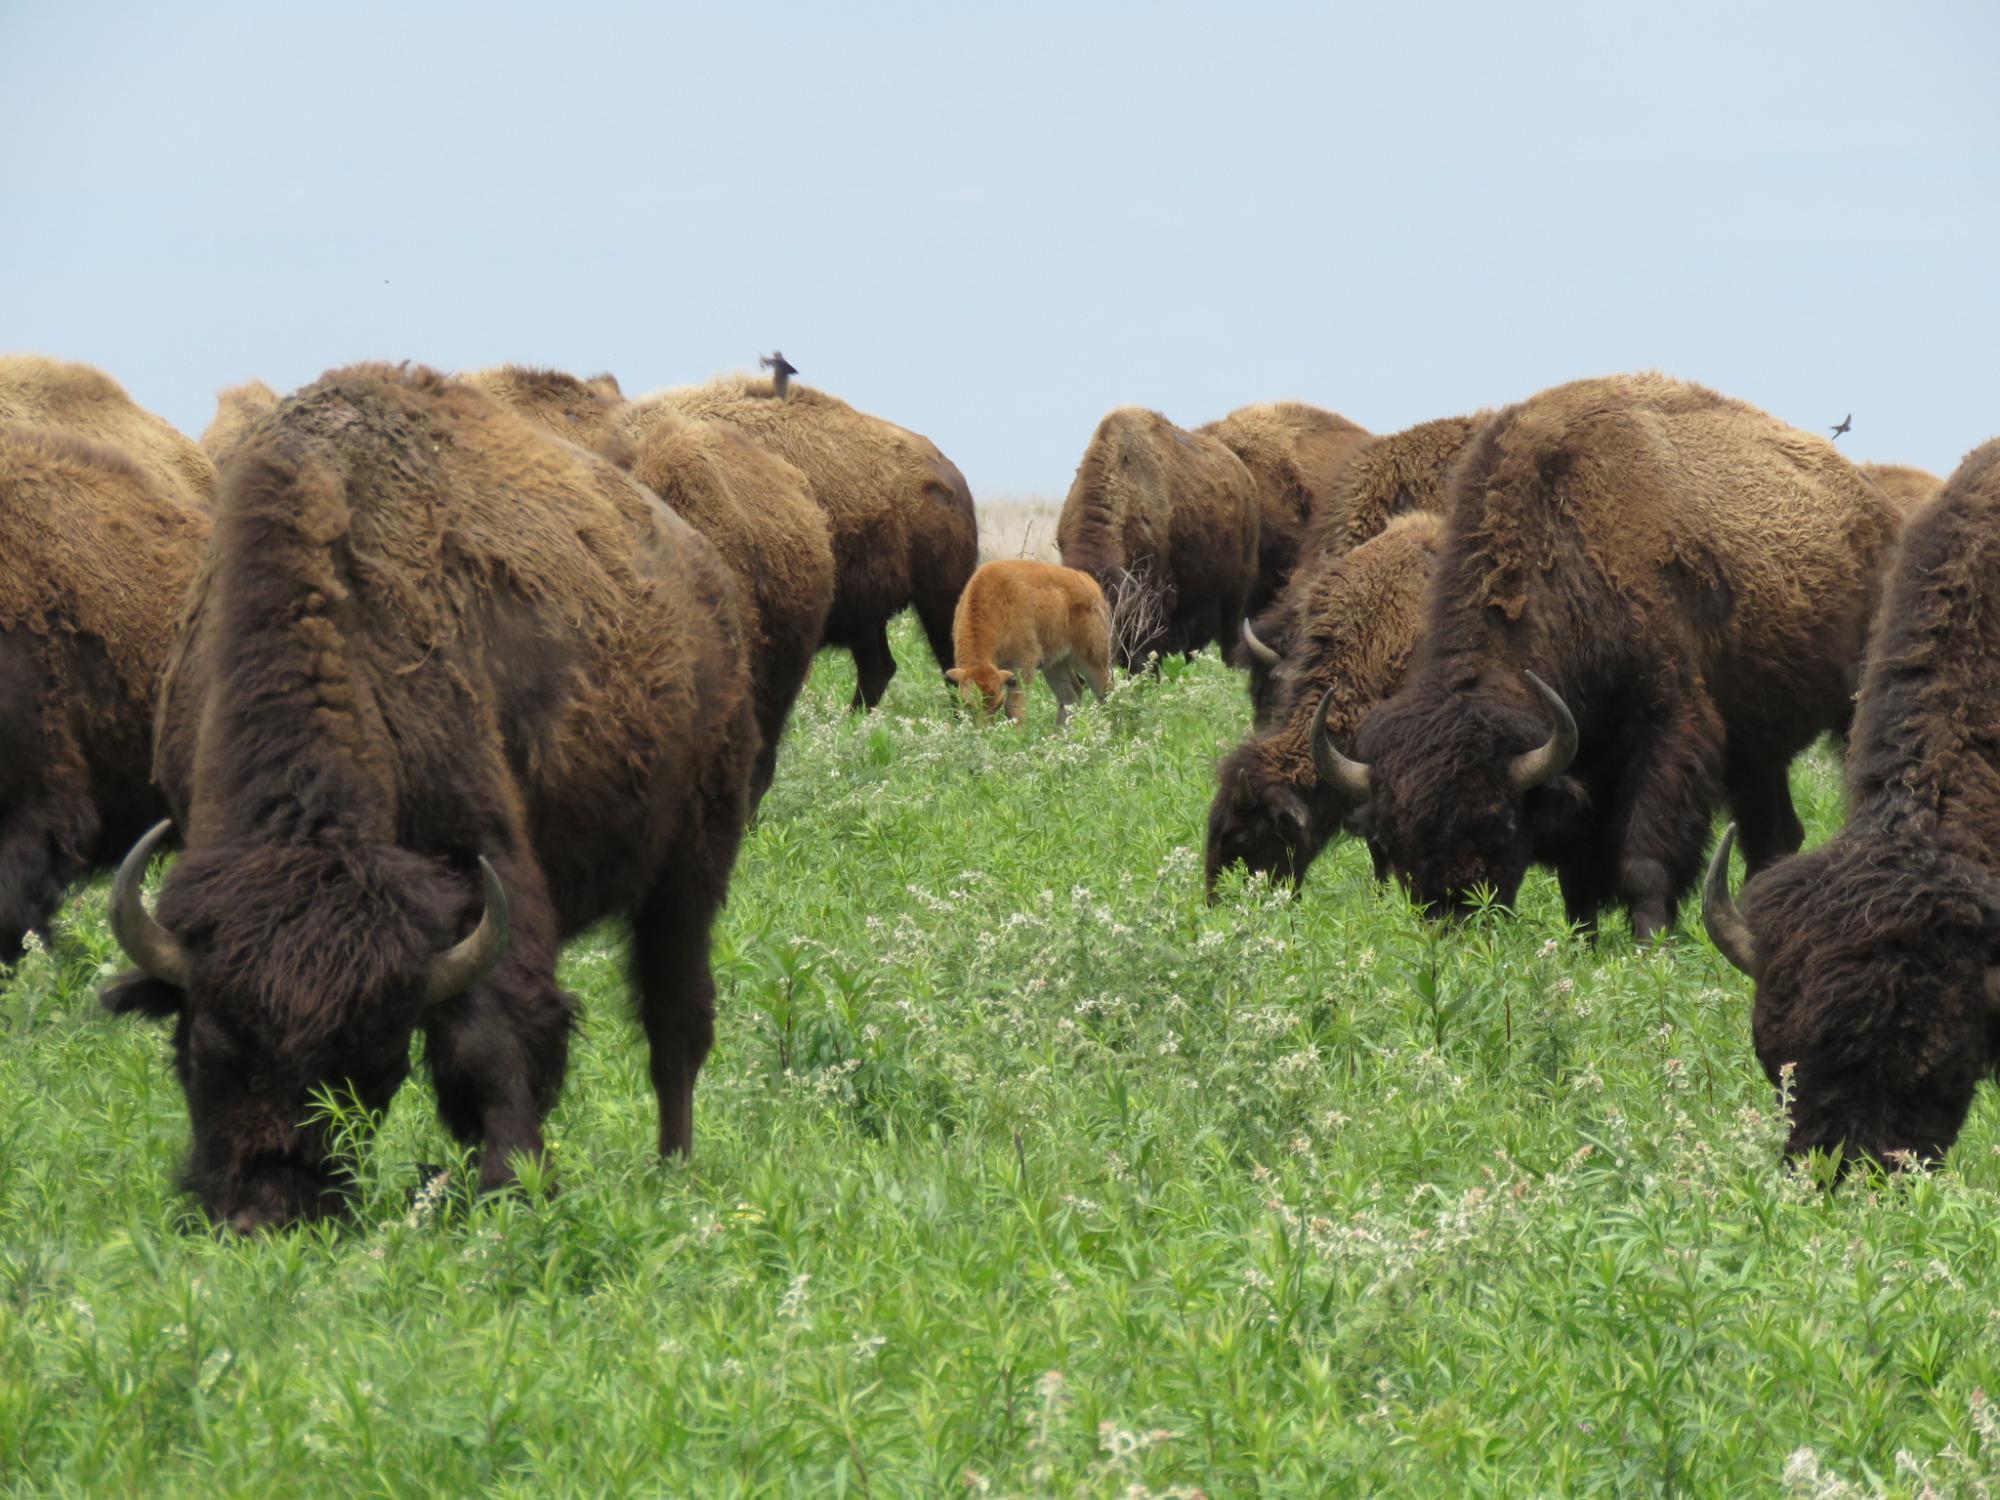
{"x":1649,"y":595}
{"x":1295,"y":454}
{"x":904,"y":535}
{"x":96,"y":553}
{"x":1387,"y":477}
{"x":1906,"y":487}
{"x":1877,"y":955}
{"x":1355,"y":622}
{"x":87,"y":403}
{"x":237,"y":408}
{"x":1018,"y":614}
{"x":448,"y":691}
{"x":1166,"y":522}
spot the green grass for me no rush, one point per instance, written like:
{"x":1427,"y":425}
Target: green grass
{"x":1020,"y":1171}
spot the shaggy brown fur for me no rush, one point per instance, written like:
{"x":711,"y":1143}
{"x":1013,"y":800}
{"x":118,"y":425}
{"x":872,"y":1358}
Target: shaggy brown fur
{"x":95,"y":556}
{"x":1906,"y":487}
{"x":580,"y":411}
{"x":1295,"y":454}
{"x":424,"y":633}
{"x":759,"y":513}
{"x":1171,"y":512}
{"x":1875,"y":953}
{"x":1384,"y":478}
{"x":1019,"y":614}
{"x":1357,"y":616}
{"x":1693,"y":577}
{"x":237,"y":408}
{"x":40,"y":392}
{"x":904,"y":534}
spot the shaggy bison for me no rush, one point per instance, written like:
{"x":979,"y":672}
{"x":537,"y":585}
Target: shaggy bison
{"x":1649,"y":595}
{"x":1355,"y":621}
{"x":448,"y":691}
{"x":1017,"y":615}
{"x":904,"y":535}
{"x":1166,"y":522}
{"x":1295,"y":454}
{"x":1877,"y":955}
{"x":39,"y":392}
{"x":237,"y":408}
{"x":1906,"y":487}
{"x":1385,"y":478}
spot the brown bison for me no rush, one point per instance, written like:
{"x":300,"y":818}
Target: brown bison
{"x":1295,"y":454}
{"x":237,"y":408}
{"x":1355,"y":621}
{"x":1906,"y":487}
{"x":904,"y":534}
{"x":1018,"y":614}
{"x":1877,"y":955}
{"x":97,"y":549}
{"x":1649,"y":596}
{"x":750,"y":504}
{"x":448,"y":691}
{"x":1166,"y":522}
{"x":1385,"y":478}
{"x":87,"y":403}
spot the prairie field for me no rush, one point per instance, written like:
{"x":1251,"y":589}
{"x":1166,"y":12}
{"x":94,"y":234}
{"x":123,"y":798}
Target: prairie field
{"x":1021,"y":1170}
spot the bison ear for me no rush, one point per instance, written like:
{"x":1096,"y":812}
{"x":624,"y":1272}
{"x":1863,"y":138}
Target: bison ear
{"x":136,"y":991}
{"x":955,"y":674}
{"x":1006,"y":677}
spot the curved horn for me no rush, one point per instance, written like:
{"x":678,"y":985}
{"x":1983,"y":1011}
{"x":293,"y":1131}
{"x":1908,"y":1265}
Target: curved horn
{"x":1257,"y":648}
{"x":1335,"y":769}
{"x":152,"y":949}
{"x":463,"y":965}
{"x":1725,"y":924}
{"x":1532,"y":768}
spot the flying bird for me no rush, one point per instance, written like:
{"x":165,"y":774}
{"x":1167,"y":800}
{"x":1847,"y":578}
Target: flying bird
{"x":1845,"y":423}
{"x":782,"y":370}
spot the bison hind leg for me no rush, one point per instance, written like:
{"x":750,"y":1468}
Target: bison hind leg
{"x":670,"y":935}
{"x":874,"y":664}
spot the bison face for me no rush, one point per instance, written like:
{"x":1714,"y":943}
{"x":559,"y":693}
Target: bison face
{"x":1263,"y":824}
{"x":986,"y":689}
{"x":292,"y":973}
{"x":1875,"y":972}
{"x":1461,"y":789}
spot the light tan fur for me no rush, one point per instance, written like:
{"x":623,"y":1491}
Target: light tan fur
{"x":1295,"y":454}
{"x":1906,"y":487}
{"x":37,"y":391}
{"x":557,"y":402}
{"x":1017,"y":615}
{"x":236,"y":409}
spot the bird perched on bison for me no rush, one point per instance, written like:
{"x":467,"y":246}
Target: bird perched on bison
{"x":448,"y":691}
{"x":1164,"y":520}
{"x":1355,"y":618}
{"x":752,"y":505}
{"x":1649,"y":597}
{"x":98,"y":545}
{"x":1019,"y":614}
{"x":1876,"y":957}
{"x":1295,"y":454}
{"x":904,"y":533}
{"x":1384,"y":478}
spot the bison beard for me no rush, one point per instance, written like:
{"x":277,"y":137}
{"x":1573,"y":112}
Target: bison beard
{"x":1876,"y":957}
{"x":442,"y":678}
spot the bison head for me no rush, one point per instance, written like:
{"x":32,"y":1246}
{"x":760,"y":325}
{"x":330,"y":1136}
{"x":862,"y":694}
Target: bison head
{"x":1460,"y":783}
{"x":1877,"y":972}
{"x":289,"y":971}
{"x":1268,"y":816}
{"x":986,"y":688}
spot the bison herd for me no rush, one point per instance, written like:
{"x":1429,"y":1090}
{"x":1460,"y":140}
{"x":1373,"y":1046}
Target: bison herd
{"x":423,"y":674}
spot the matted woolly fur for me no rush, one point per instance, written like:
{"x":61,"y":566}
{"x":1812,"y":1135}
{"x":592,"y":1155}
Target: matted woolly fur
{"x":1356,"y":618}
{"x":237,"y":408}
{"x":1693,"y":577}
{"x":560,"y":403}
{"x":1906,"y":486}
{"x":40,"y":392}
{"x":1876,"y":954}
{"x":96,"y":554}
{"x":1170,"y":511}
{"x":904,"y":532}
{"x":1388,"y":475}
{"x":1295,"y":453}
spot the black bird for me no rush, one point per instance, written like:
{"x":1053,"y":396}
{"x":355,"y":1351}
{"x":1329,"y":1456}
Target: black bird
{"x":1845,"y":423}
{"x":782,"y":370}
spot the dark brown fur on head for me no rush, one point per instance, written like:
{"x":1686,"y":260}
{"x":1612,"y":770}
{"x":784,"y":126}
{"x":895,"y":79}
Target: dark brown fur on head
{"x":1875,"y":955}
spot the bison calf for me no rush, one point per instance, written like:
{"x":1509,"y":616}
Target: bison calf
{"x":1015,"y":616}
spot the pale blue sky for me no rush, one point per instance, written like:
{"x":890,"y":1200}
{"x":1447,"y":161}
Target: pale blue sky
{"x":993,"y":225}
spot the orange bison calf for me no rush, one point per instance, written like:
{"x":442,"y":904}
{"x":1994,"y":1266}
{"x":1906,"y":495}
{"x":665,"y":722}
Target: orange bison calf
{"x":1017,"y":615}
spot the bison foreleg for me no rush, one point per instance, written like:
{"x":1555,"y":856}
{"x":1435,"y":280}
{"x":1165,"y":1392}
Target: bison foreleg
{"x":874,"y":664}
{"x":1760,"y":795}
{"x":38,"y":860}
{"x":1665,"y":800}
